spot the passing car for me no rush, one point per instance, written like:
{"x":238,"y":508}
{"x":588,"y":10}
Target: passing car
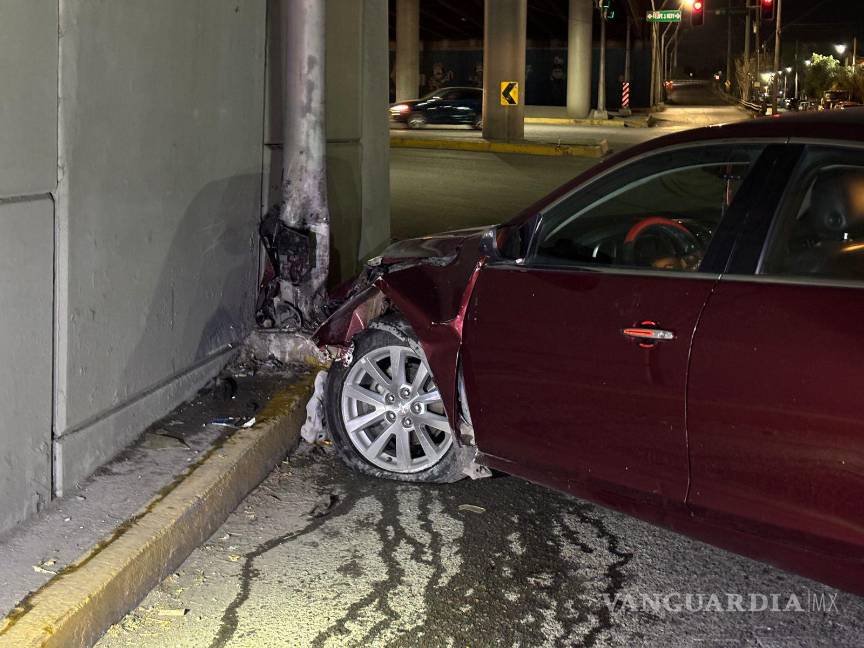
{"x":676,"y":334}
{"x":444,"y":106}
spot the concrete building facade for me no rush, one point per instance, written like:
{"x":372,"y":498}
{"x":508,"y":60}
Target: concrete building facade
{"x":133,"y":174}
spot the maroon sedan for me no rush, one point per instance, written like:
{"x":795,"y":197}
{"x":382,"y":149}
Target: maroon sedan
{"x":676,"y":333}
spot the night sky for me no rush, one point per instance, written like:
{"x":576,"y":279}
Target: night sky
{"x":815,"y":24}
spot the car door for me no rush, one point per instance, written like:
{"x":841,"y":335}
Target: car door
{"x":439,"y":108}
{"x":775,"y":407}
{"x":575,"y":359}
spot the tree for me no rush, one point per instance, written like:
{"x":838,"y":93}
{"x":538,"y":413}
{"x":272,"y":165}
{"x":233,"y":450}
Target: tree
{"x":822,"y":75}
{"x":745,"y":73}
{"x":851,"y":79}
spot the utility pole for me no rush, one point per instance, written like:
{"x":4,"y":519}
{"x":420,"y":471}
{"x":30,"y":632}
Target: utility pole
{"x":729,"y":46}
{"x":304,"y":170}
{"x":748,"y":34}
{"x":778,"y":28}
{"x":601,"y":113}
{"x":625,"y":88}
{"x":757,"y":35}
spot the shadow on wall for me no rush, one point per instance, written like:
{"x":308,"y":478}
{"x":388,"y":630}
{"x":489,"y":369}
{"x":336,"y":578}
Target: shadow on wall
{"x":204,"y":299}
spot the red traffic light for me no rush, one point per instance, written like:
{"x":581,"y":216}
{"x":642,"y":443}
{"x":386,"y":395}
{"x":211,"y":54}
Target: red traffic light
{"x":697,"y":15}
{"x":767,"y":9}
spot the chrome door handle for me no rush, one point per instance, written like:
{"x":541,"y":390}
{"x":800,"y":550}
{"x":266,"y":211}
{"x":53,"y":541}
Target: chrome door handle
{"x":648,"y":334}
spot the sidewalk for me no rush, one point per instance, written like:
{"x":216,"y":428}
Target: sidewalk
{"x":557,"y":115}
{"x":88,"y":558}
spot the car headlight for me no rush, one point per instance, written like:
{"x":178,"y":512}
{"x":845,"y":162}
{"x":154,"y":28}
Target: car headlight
{"x":398,"y":109}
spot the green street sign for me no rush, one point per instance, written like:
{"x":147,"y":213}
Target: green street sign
{"x":665,"y":16}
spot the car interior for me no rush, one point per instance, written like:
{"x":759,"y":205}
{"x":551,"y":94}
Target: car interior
{"x":663,"y":222}
{"x":826,"y":237}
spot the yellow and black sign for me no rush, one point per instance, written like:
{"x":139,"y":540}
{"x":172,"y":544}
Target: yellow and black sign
{"x":509,"y":93}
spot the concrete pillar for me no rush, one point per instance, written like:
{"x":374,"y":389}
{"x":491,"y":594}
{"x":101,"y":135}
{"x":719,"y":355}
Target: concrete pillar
{"x":407,"y":69}
{"x":579,"y":45}
{"x":358,"y":136}
{"x":505,"y":24}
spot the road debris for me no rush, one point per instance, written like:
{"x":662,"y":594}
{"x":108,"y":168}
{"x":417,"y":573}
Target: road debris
{"x":314,"y":430}
{"x":156,"y":441}
{"x":472,"y":508}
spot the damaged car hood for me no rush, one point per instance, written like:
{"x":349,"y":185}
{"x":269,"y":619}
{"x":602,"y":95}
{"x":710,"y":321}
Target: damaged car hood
{"x":441,"y":248}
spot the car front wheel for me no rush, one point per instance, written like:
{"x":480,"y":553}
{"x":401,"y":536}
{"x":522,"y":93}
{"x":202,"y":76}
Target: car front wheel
{"x":385,"y":412}
{"x":416,"y":121}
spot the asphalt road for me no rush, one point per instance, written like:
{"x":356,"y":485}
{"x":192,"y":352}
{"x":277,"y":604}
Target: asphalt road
{"x":320,"y":556}
{"x":434,"y":191}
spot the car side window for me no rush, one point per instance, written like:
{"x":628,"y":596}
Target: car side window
{"x":819,"y":230}
{"x":657,"y":214}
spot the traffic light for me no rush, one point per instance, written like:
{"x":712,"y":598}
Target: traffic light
{"x":697,"y":15}
{"x":767,"y":10}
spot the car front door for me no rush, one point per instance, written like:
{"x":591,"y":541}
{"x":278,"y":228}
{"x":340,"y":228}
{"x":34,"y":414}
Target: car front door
{"x":775,"y":407}
{"x":575,"y":359}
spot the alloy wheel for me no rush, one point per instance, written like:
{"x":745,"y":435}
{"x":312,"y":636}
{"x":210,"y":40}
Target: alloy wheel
{"x":393,"y":412}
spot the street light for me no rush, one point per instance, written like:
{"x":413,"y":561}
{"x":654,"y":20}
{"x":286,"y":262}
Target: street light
{"x":840,"y":48}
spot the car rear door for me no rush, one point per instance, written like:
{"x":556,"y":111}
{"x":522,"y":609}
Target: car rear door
{"x":575,"y":359}
{"x":775,"y":407}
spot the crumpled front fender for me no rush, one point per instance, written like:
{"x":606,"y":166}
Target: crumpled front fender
{"x":433,"y":299}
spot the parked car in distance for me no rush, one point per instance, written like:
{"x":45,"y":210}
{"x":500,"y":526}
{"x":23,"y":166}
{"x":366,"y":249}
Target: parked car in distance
{"x":833,"y":97}
{"x":846,"y":105}
{"x":676,"y":334}
{"x":455,"y":105}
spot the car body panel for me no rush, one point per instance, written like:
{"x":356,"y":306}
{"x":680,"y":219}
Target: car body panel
{"x":564,"y":388}
{"x":792,"y":495}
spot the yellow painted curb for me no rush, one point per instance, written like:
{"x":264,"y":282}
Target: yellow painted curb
{"x":79,"y":604}
{"x":569,"y":121}
{"x":486,"y":146}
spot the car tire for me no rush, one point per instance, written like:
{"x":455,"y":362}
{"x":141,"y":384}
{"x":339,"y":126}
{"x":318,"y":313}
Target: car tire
{"x":478,"y":124}
{"x":416,"y":121}
{"x":357,"y":447}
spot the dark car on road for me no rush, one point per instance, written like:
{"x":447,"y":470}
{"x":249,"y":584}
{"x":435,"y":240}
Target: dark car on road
{"x":444,"y":106}
{"x":677,"y":334}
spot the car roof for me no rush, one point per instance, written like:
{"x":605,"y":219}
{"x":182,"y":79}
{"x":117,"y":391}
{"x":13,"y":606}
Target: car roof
{"x":824,"y":124}
{"x":830,"y":125}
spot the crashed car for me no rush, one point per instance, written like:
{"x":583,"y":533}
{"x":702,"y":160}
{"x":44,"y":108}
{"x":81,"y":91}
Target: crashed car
{"x":675,"y":334}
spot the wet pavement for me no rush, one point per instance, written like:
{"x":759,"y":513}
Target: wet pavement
{"x":320,"y":556}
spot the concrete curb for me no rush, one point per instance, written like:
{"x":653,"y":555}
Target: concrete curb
{"x":79,"y":604}
{"x":523,"y":148}
{"x":568,"y":121}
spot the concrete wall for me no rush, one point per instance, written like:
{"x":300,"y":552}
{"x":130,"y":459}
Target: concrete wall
{"x":28,"y":173}
{"x":160,"y":151}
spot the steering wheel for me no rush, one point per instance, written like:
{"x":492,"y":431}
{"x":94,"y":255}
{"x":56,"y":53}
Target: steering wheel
{"x":684,"y":244}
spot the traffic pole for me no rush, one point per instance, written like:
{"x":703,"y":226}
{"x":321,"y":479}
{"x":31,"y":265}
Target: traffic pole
{"x":778,"y":28}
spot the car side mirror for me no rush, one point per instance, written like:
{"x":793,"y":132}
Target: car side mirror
{"x":503,"y":242}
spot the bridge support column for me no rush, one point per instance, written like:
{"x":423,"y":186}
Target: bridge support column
{"x":579,"y":53}
{"x":505,"y":25}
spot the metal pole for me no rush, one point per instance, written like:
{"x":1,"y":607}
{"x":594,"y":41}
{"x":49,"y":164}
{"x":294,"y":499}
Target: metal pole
{"x":797,"y":63}
{"x":854,"y":51}
{"x":600,"y":113}
{"x":757,"y":36}
{"x":304,"y":168}
{"x":729,"y":46}
{"x":627,"y":47}
{"x":748,"y":34}
{"x":777,"y":46}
